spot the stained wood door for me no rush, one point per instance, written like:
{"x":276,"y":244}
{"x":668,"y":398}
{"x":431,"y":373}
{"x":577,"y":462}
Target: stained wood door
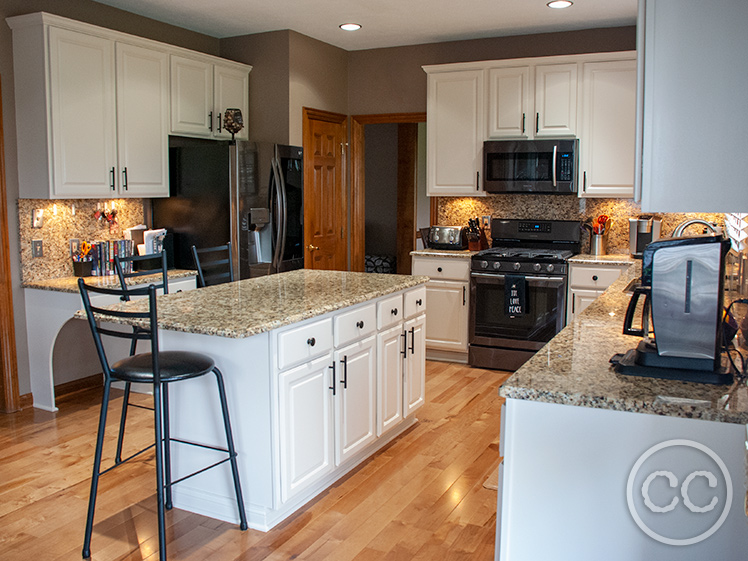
{"x":325,"y":202}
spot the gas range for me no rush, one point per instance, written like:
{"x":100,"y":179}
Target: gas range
{"x":521,"y":261}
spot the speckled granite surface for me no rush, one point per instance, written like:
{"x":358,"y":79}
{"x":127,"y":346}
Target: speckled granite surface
{"x":70,"y":284}
{"x":573,"y":369}
{"x":463,"y":254}
{"x":615,"y":259}
{"x":253,"y":306}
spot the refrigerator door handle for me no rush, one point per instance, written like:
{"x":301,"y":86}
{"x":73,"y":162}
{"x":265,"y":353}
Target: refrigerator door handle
{"x":280,"y":215}
{"x":284,"y":222}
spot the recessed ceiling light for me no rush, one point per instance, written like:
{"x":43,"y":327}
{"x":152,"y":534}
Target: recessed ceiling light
{"x":350,"y":26}
{"x":558,"y":4}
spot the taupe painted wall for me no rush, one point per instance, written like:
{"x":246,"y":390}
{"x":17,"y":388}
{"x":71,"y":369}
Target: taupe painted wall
{"x":89,"y":12}
{"x":392,"y":81}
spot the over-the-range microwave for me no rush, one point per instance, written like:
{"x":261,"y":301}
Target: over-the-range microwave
{"x":531,"y":166}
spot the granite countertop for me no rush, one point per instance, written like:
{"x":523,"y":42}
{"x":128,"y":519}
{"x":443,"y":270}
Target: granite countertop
{"x":612,"y":259}
{"x":70,"y":284}
{"x":573,"y":369}
{"x":458,"y":254}
{"x":252,"y":306}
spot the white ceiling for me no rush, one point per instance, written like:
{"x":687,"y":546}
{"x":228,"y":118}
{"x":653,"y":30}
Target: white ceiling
{"x":386,"y":23}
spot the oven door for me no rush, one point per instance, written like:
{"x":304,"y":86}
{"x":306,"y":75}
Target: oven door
{"x":543,"y":314}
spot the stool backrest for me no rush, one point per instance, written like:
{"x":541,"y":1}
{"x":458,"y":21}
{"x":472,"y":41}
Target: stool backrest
{"x":133,"y":266}
{"x":215,"y":265}
{"x":145,"y":320}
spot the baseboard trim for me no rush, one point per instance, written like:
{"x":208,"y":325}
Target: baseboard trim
{"x":69,"y":388}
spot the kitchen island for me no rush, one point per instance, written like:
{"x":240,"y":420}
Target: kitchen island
{"x":583,"y":445}
{"x":322,"y":368}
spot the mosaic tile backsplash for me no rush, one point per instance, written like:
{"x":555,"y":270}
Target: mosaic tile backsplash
{"x":61,"y":224}
{"x":457,"y":211}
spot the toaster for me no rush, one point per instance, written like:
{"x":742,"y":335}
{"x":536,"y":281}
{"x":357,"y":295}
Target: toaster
{"x":448,"y":237}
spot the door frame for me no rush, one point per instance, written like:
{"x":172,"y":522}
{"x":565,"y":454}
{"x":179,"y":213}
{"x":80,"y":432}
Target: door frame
{"x":9,"y":398}
{"x":358,"y":187}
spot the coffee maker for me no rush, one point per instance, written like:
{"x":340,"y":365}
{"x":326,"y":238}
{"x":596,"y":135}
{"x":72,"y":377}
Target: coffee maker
{"x":643,"y":231}
{"x":683,"y":288}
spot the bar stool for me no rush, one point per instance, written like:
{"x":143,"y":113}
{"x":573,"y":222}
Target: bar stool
{"x":219,"y":267}
{"x":159,"y":369}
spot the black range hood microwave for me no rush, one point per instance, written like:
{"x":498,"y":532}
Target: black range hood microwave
{"x":531,"y":166}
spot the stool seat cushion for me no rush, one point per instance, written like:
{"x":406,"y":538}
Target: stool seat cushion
{"x":174,"y":366}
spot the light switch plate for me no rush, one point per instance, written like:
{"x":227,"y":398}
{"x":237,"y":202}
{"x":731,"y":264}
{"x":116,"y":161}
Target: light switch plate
{"x":37,"y":248}
{"x":37,"y":218}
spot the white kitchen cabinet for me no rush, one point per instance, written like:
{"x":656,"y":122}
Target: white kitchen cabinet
{"x":355,"y":398}
{"x":586,"y":283}
{"x":306,"y":425}
{"x":510,"y":103}
{"x":607,"y":135}
{"x":414,"y":368}
{"x":555,"y":100}
{"x":201,"y":92}
{"x":694,"y":78}
{"x":448,"y":291}
{"x":390,"y":349}
{"x":454,"y":132}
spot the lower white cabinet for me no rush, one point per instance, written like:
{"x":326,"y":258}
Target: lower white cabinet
{"x":586,"y":283}
{"x":390,"y":378}
{"x":414,"y":371}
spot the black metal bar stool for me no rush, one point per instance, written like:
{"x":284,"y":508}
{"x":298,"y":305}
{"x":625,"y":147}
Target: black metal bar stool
{"x":215,"y":265}
{"x":159,"y":369}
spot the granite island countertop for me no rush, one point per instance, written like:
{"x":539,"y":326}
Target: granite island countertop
{"x":574,"y":369}
{"x":252,"y":306}
{"x":70,"y":284}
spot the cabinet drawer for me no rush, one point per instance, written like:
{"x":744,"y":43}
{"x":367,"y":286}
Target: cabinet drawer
{"x":593,"y":277}
{"x":389,"y":311}
{"x":414,"y":302}
{"x":355,"y":324}
{"x":303,"y":343}
{"x":441,"y":269}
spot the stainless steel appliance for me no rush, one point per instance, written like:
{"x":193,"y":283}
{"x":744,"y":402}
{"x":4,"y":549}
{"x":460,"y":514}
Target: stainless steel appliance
{"x":642,"y":231}
{"x":530,"y":166}
{"x":683,"y":288}
{"x":518,"y":290}
{"x":447,"y":237}
{"x":245,"y":192}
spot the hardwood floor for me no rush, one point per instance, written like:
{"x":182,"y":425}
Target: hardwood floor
{"x":421,"y":498}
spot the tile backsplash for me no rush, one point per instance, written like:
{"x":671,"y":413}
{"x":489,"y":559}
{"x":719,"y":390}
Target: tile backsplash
{"x":457,"y":211}
{"x":61,"y":224}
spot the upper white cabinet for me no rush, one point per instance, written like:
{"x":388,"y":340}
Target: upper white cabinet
{"x":695,"y":78}
{"x":454,"y":132}
{"x":510,"y":103}
{"x":555,"y":100}
{"x":200,"y":94}
{"x":93,"y":108}
{"x":607,"y":129}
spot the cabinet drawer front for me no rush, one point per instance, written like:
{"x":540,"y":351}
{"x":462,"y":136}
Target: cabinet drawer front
{"x":389,"y":311}
{"x":414,"y":302}
{"x":447,"y":268}
{"x":594,"y":277}
{"x":304,"y":343}
{"x":355,"y":324}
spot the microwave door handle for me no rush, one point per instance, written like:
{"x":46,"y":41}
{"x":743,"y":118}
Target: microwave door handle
{"x":555,"y":153}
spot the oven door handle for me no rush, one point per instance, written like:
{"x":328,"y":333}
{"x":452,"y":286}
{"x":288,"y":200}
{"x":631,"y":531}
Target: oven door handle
{"x":527,"y":277}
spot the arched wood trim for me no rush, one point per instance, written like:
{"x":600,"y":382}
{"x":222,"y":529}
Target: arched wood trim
{"x":9,"y":376}
{"x":358,"y":187}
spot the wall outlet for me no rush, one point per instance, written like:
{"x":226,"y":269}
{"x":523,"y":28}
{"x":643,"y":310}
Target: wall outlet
{"x":37,"y":218}
{"x":486,"y":221}
{"x":75,"y":246}
{"x":37,"y":248}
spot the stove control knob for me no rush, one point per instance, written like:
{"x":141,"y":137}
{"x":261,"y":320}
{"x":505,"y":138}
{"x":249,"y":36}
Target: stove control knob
{"x":550,"y":267}
{"x":497,"y":265}
{"x":536,"y":267}
{"x":517,"y":266}
{"x":451,"y":237}
{"x":484,"y":264}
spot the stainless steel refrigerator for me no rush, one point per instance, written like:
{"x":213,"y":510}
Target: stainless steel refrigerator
{"x":247,"y":193}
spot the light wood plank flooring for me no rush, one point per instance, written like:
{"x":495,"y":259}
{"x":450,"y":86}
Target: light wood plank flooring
{"x":421,"y":498}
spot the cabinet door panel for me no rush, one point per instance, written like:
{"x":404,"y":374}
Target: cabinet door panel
{"x":447,"y":330}
{"x":305,"y":425}
{"x":83,"y":112}
{"x":509,"y":102}
{"x":142,"y":121}
{"x":580,"y":299}
{"x":389,"y":379}
{"x":191,"y":96}
{"x":231,"y":92}
{"x":414,"y":384}
{"x":556,"y":100}
{"x":356,"y":399}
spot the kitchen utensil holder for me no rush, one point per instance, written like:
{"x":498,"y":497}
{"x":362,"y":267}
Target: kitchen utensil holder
{"x":82,"y":268}
{"x":599,"y":244}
